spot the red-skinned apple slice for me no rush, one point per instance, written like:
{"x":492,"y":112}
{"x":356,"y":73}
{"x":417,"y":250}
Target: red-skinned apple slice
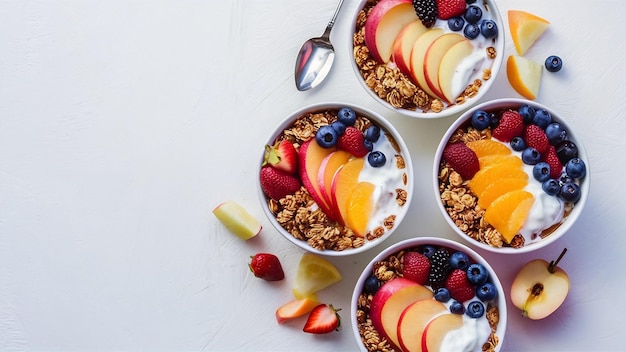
{"x":418,"y":56}
{"x":403,"y":45}
{"x":437,"y":329}
{"x":432,"y":60}
{"x":453,"y":76}
{"x":310,"y":158}
{"x":413,"y":321}
{"x":328,"y":168}
{"x":345,"y":179}
{"x":383,"y":25}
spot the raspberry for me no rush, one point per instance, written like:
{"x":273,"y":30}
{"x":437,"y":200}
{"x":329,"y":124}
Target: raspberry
{"x":416,"y":267}
{"x":450,"y":8}
{"x":535,"y":137}
{"x":462,"y":159}
{"x":552,"y":158}
{"x":352,"y":141}
{"x":459,"y":287}
{"x":439,"y":267}
{"x":511,"y":125}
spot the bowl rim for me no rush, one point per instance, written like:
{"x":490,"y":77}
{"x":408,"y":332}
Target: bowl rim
{"x":438,"y":241}
{"x":584,"y":185}
{"x":381,"y":122}
{"x":456,"y":109}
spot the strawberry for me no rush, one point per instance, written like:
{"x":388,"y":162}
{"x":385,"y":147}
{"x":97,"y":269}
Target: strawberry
{"x":552,"y":158}
{"x":322,"y":320}
{"x":450,"y":8}
{"x":459,"y":286}
{"x":267,"y":267}
{"x":276,"y":184}
{"x":416,"y":267}
{"x":352,"y":141}
{"x":462,"y":159}
{"x":511,"y":125}
{"x":535,"y":137}
{"x":283,"y":156}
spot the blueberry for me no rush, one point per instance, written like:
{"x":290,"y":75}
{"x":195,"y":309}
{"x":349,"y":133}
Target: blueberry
{"x":347,"y":116}
{"x":570,"y":192}
{"x":475,"y":309}
{"x":369,"y":145}
{"x":371,"y":285}
{"x":518,"y":144}
{"x":457,"y":308}
{"x":530,"y":156}
{"x":456,"y":23}
{"x":486,"y":291}
{"x":541,"y":171}
{"x":527,"y":112}
{"x":488,"y":28}
{"x":542,"y":118}
{"x":551,"y":187}
{"x":553,"y":63}
{"x":566,"y":150}
{"x":495,"y":119}
{"x":470,"y":1}
{"x":442,"y":294}
{"x":480,"y":120}
{"x":477,"y":274}
{"x":471,"y":31}
{"x":576,"y":168}
{"x":565,"y":178}
{"x":459,"y":260}
{"x":376,"y":159}
{"x":473,"y":14}
{"x":339,"y":127}
{"x":326,"y":136}
{"x":555,"y":133}
{"x":372,"y":133}
{"x":428,"y":251}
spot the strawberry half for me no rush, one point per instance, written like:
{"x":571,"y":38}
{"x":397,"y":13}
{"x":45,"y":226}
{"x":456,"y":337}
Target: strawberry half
{"x":282,"y":156}
{"x":416,"y":267}
{"x":535,"y":137}
{"x":450,"y":8}
{"x":511,"y":125}
{"x":322,"y":320}
{"x":552,"y":158}
{"x":462,"y":159}
{"x":277,"y":184}
{"x":267,"y":267}
{"x":352,"y":141}
{"x":459,"y":286}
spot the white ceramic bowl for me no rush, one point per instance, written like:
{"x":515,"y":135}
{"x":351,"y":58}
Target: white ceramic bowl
{"x":414,"y":243}
{"x":494,"y":64}
{"x":406,"y":173}
{"x":569,"y":220}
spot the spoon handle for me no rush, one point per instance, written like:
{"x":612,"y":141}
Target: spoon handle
{"x":331,"y":23}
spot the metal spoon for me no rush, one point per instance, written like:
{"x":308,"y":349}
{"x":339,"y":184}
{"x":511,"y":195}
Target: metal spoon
{"x":316,"y":58}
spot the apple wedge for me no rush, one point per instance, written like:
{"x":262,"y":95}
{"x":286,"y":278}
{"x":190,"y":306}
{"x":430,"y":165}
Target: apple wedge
{"x":436,"y":331}
{"x":310,"y":158}
{"x":344,"y":181}
{"x":453,"y":74}
{"x":524,"y":75}
{"x":418,"y":56}
{"x":237,"y":219}
{"x":413,"y":321}
{"x":328,"y":168}
{"x":383,"y":25}
{"x":432,"y":60}
{"x":403,"y":45}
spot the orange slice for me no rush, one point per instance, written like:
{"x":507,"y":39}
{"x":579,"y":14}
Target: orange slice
{"x":508,"y":212}
{"x":509,"y":167}
{"x":488,"y":160}
{"x":484,"y":147}
{"x":524,"y":75}
{"x":495,"y":190}
{"x":525,"y":29}
{"x":360,"y":205}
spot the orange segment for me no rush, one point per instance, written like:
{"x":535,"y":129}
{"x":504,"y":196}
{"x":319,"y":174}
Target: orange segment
{"x":496,"y":189}
{"x":484,"y":147}
{"x":509,"y":167}
{"x":488,"y":160}
{"x":508,"y":212}
{"x":525,"y":29}
{"x":360,"y":205}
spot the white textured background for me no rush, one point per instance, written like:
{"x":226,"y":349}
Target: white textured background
{"x":124,"y":122}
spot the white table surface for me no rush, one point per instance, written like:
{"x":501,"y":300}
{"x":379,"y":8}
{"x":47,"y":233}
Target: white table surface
{"x":123,"y":123}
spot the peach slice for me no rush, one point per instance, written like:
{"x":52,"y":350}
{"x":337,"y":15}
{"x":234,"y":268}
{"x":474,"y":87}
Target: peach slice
{"x":383,"y":25}
{"x":310,"y":158}
{"x":525,"y":29}
{"x":328,"y":168}
{"x":403,"y":45}
{"x":432,"y":59}
{"x":360,"y":205}
{"x":418,"y":56}
{"x":344,"y":181}
{"x":453,"y":72}
{"x":524,"y":75}
{"x":413,"y":321}
{"x":437,"y":329}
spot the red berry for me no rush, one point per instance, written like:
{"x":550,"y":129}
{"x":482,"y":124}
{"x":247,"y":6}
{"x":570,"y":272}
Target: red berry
{"x":511,"y":125}
{"x":282,"y":156}
{"x":322,"y":320}
{"x":416,"y":267}
{"x":267,"y":267}
{"x":459,"y":286}
{"x":535,"y":137}
{"x":462,"y":159}
{"x":450,"y":8}
{"x":352,"y":141}
{"x":552,"y":158}
{"x":277,"y":184}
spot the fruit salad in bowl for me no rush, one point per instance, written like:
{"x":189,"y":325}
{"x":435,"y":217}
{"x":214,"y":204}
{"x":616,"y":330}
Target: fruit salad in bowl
{"x":428,"y":294}
{"x":335,"y":178}
{"x":427,"y":58}
{"x":511,"y":176}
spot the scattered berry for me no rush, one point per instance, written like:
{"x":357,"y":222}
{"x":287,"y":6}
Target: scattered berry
{"x":473,"y":14}
{"x":372,"y":133}
{"x":457,"y":308}
{"x":277,"y":184}
{"x":541,"y":171}
{"x":486,"y":291}
{"x":322,"y":320}
{"x":518,"y":144}
{"x":459,"y":286}
{"x":480,"y":120}
{"x":352,"y":141}
{"x":450,"y":8}
{"x":416,"y":267}
{"x":527,"y":112}
{"x":570,"y":192}
{"x":535,"y":137}
{"x":477,"y":274}
{"x":530,"y":156}
{"x":488,"y":28}
{"x":426,"y":11}
{"x":462,"y":159}
{"x":556,"y":167}
{"x":371,"y":285}
{"x":511,"y":125}
{"x":282,"y":156}
{"x":347,"y":116}
{"x":551,"y":187}
{"x":459,"y":260}
{"x":456,"y":23}
{"x":376,"y":159}
{"x":439,"y":267}
{"x":267,"y":267}
{"x":554,"y":63}
{"x":542,"y":118}
{"x":471,"y":31}
{"x":555,"y":133}
{"x":576,"y":168}
{"x":442,"y":294}
{"x":475,"y":309}
{"x":326,"y":136}
{"x":566,"y":150}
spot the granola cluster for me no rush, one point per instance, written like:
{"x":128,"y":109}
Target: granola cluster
{"x":303,"y":218}
{"x":393,"y":86}
{"x":386,"y":270}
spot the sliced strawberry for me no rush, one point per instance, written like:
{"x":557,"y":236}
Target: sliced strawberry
{"x":511,"y":125}
{"x":322,"y":320}
{"x":450,"y":8}
{"x":267,"y":267}
{"x":535,"y":137}
{"x":277,"y":184}
{"x":416,"y":267}
{"x":283,"y":156}
{"x":352,"y":140}
{"x":552,"y":158}
{"x":296,"y":308}
{"x":459,"y":286}
{"x":462,"y":159}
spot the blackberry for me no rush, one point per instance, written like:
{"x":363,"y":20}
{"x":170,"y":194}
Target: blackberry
{"x":426,"y":11}
{"x":439,"y":267}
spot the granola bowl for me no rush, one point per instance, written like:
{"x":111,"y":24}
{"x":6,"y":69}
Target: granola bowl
{"x":511,"y":176}
{"x":335,"y":179}
{"x":428,"y":291}
{"x":426,"y":71}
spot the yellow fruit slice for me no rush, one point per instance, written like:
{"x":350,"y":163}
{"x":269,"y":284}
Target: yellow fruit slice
{"x":484,"y":147}
{"x":495,"y":190}
{"x":314,"y":274}
{"x":509,"y":167}
{"x":360,"y":205}
{"x":524,"y":75}
{"x":237,"y":219}
{"x":508,"y":212}
{"x":525,"y":29}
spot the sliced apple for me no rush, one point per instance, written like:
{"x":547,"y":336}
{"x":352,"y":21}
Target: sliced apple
{"x":237,"y":219}
{"x":454,"y":70}
{"x":525,"y":29}
{"x":413,"y":321}
{"x":539,"y":288}
{"x":418,"y":56}
{"x":328,"y":168}
{"x":524,"y":75}
{"x":341,"y":188}
{"x":437,"y":329}
{"x":403,"y":45}
{"x":432,"y":60}
{"x":310,"y":158}
{"x":391,"y":300}
{"x":383,"y":25}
